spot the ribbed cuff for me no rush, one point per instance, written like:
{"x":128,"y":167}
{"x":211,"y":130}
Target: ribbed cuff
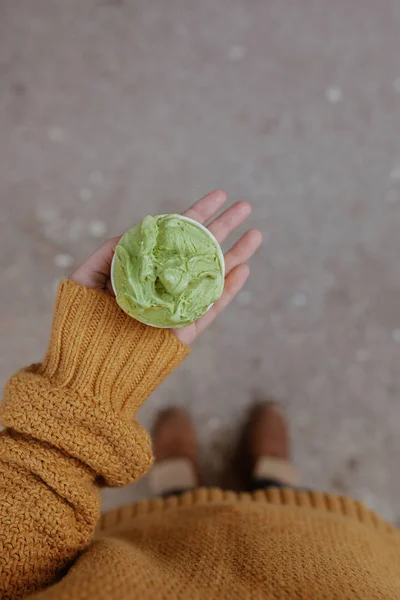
{"x":100,"y":366}
{"x":99,"y":351}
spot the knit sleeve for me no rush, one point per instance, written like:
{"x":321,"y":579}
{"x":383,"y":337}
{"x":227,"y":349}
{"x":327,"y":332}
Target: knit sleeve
{"x":70,"y":428}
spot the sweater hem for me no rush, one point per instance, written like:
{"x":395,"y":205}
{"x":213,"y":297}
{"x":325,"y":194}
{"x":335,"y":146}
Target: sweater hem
{"x":289,"y":497}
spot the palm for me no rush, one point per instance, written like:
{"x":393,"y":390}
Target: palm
{"x":95,"y":272}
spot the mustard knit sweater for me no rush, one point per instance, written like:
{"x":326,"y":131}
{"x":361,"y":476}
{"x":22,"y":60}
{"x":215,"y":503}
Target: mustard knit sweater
{"x":71,"y":429}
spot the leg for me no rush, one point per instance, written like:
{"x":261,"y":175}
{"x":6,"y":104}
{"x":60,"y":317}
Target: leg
{"x":175,"y":448}
{"x":267,"y":448}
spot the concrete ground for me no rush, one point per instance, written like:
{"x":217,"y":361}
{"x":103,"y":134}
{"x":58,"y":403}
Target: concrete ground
{"x":112,"y":109}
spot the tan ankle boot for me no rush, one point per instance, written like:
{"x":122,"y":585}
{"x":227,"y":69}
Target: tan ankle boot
{"x":268,"y":445}
{"x":175,"y":449}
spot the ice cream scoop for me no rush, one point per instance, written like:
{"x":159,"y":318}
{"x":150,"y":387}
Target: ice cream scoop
{"x":167,"y":271}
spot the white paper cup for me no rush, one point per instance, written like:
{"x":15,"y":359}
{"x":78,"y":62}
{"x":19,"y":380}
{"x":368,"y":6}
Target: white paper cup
{"x":220,"y":256}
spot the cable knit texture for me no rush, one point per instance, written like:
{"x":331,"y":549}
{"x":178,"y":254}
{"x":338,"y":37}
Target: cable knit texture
{"x":71,"y":428}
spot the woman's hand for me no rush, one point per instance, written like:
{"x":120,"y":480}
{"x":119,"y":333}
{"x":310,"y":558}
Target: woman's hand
{"x":95,"y":271}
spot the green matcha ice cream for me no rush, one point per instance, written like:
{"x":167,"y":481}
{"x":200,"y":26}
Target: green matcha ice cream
{"x":167,"y":271}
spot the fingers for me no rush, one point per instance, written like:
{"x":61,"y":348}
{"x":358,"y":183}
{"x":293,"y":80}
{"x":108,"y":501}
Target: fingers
{"x":227,"y":222}
{"x":235,"y":270}
{"x":95,"y":272}
{"x":231,"y":218}
{"x":233,"y":284}
{"x":242,"y":250}
{"x":204,"y":209}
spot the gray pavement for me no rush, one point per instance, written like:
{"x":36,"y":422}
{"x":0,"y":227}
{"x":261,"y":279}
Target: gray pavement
{"x":112,"y":109}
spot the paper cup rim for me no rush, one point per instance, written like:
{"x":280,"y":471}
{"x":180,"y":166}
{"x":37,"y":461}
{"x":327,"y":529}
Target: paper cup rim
{"x":189,"y":220}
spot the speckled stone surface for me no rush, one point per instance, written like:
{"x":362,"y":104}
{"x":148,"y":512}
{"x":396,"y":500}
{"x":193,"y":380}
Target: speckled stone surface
{"x":112,"y":109}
